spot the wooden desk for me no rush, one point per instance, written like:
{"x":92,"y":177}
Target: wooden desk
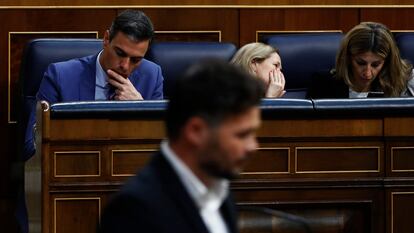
{"x":355,"y":171}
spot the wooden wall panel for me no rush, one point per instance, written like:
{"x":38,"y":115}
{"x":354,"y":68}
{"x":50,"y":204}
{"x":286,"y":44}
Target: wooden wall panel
{"x":76,"y":164}
{"x":337,"y":159}
{"x":402,"y":205}
{"x":279,"y":20}
{"x":268,"y":161}
{"x":395,"y":19}
{"x":78,"y":214}
{"x":128,"y":162}
{"x":200,"y":2}
{"x":223,"y":20}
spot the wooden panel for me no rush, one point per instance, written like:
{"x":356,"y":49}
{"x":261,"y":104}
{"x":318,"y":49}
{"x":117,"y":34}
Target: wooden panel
{"x":337,"y":160}
{"x":197,"y":19}
{"x":298,"y":19}
{"x":402,"y":159}
{"x":321,"y":128}
{"x":76,"y":214}
{"x":210,"y":36}
{"x":145,"y":129}
{"x":397,"y":126}
{"x":395,"y":19}
{"x":77,"y":164}
{"x":402,"y":205}
{"x":128,"y":162}
{"x":199,"y":2}
{"x":268,"y":161}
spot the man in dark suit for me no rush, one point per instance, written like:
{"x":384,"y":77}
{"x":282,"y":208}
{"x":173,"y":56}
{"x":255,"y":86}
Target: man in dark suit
{"x":211,"y":122}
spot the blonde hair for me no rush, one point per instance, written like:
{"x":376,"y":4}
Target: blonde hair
{"x":376,"y":38}
{"x":253,"y":52}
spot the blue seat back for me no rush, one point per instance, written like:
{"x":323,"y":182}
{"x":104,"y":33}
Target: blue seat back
{"x":37,"y":55}
{"x":175,"y":57}
{"x":405,"y":42}
{"x":304,"y":54}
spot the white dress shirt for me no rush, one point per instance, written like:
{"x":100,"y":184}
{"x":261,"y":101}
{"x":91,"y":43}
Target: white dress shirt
{"x":101,"y":84}
{"x":207,"y":199}
{"x":355,"y":95}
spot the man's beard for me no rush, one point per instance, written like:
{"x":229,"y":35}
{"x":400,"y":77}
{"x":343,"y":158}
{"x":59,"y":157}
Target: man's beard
{"x":215,"y":163}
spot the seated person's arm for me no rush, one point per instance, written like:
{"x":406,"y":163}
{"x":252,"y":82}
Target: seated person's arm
{"x":158,"y":91}
{"x":49,"y":89}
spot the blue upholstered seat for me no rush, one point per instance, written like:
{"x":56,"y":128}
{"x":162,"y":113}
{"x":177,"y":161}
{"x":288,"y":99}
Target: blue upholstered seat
{"x":175,"y":57}
{"x":37,"y":55}
{"x":304,"y":54}
{"x":405,"y":42}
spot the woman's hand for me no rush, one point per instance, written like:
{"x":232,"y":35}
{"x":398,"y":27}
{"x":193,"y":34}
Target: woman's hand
{"x":276,"y":85}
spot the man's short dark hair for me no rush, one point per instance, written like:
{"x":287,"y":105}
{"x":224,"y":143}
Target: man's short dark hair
{"x":135,"y":24}
{"x":211,"y":90}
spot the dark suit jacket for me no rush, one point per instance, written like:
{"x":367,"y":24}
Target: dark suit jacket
{"x":325,"y":85}
{"x":155,"y":201}
{"x":75,"y":80}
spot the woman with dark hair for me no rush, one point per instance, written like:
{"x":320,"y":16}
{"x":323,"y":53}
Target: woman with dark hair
{"x":368,"y":64}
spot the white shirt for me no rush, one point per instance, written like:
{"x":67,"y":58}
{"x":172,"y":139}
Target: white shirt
{"x":354,"y":94}
{"x":101,"y":84}
{"x":208,"y":200}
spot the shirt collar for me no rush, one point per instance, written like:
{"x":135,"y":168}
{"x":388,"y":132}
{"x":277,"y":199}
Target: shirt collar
{"x":204,"y":197}
{"x":101,"y":76}
{"x":354,"y":94}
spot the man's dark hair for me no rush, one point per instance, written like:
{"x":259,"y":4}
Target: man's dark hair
{"x":212,"y":90}
{"x":135,"y":24}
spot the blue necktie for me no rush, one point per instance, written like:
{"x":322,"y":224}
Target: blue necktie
{"x":111,"y":93}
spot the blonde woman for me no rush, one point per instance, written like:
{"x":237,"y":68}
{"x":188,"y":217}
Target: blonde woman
{"x":262,"y":61}
{"x":367,"y":64}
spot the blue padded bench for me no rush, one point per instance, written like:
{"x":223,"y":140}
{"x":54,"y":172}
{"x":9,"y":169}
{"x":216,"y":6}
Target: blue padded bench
{"x":375,"y":107}
{"x":104,"y":109}
{"x":277,"y":108}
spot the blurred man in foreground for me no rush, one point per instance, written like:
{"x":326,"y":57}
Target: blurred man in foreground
{"x":211,"y":121}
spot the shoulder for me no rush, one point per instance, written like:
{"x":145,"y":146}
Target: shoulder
{"x":147,"y":65}
{"x":76,"y":62}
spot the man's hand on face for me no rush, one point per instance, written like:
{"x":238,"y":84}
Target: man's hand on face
{"x":124,"y":90}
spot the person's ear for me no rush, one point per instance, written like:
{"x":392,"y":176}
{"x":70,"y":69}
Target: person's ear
{"x":196,"y":131}
{"x":253,"y":66}
{"x":106,"y":39}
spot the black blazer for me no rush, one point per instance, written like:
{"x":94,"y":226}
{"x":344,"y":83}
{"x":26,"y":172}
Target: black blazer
{"x":156,"y":201}
{"x":325,"y":85}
